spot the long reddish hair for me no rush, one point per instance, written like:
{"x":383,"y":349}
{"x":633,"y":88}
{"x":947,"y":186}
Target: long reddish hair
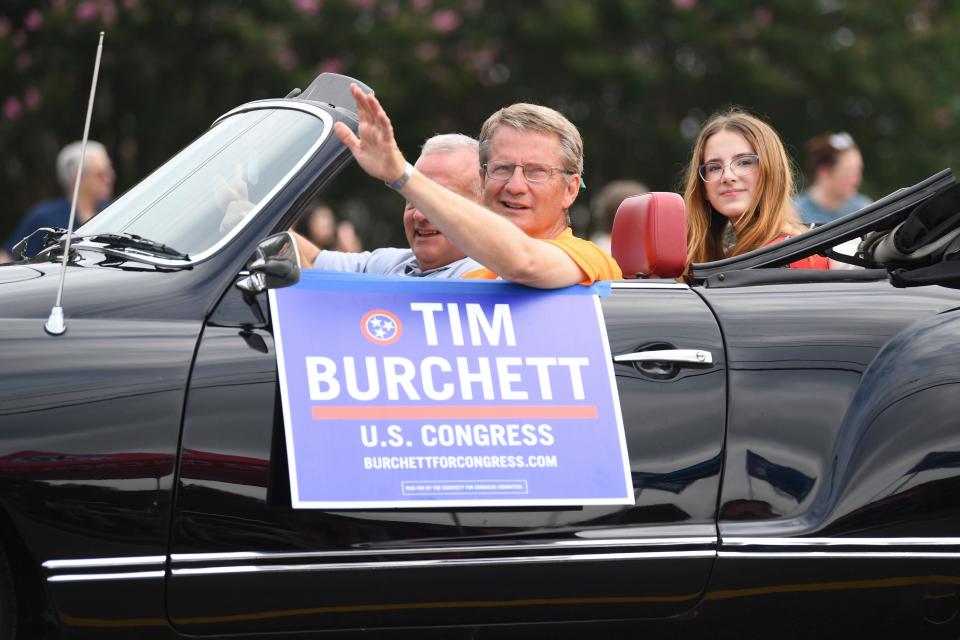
{"x":768,"y":216}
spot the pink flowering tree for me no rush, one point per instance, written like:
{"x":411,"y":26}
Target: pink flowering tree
{"x":637,"y":76}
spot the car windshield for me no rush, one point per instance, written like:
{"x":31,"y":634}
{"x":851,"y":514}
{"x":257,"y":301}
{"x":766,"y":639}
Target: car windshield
{"x":207,"y":190}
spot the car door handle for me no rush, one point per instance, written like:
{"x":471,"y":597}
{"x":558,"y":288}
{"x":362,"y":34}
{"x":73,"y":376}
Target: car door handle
{"x":692,"y":356}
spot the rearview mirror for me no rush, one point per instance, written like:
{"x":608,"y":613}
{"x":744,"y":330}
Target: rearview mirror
{"x":275,"y":265}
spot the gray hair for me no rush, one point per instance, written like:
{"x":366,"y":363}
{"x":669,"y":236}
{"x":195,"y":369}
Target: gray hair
{"x":450,"y":142}
{"x":68,"y":161}
{"x":446,"y":142}
{"x":534,"y":117}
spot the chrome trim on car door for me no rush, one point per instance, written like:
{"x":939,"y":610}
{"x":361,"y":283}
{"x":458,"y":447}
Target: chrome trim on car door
{"x":834,"y":555}
{"x":90,"y":577}
{"x":123,"y":561}
{"x":458,"y":550}
{"x":138,"y":568}
{"x":834,"y":542}
{"x":449,"y":562}
{"x":814,"y":548}
{"x":693,"y":356}
{"x":644,"y":284}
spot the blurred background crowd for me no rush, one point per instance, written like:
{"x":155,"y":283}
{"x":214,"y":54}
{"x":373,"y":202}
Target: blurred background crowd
{"x":637,"y":77}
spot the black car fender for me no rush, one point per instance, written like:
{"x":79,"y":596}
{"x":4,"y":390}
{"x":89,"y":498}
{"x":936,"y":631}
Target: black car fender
{"x":900,"y":430}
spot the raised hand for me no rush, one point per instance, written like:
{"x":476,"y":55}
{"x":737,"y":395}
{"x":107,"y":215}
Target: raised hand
{"x":375,"y":148}
{"x":232,"y":194}
{"x":231,"y":188}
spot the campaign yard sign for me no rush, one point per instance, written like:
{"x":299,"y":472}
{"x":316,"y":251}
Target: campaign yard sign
{"x":401,"y":392}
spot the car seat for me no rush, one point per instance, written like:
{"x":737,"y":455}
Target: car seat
{"x":649,"y":236}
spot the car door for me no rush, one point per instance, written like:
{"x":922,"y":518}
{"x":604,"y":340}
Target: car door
{"x":243,"y":560}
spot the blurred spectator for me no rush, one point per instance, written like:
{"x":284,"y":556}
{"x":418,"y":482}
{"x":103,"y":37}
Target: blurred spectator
{"x":347,"y":238}
{"x":605,"y":205}
{"x":320,"y":227}
{"x":96,"y":189}
{"x":835,"y":169}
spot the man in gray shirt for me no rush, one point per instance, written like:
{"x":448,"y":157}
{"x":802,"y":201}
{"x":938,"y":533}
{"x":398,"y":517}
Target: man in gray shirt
{"x":451,"y":160}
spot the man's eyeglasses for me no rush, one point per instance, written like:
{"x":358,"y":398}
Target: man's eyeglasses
{"x":503,"y":171}
{"x":740,"y":166}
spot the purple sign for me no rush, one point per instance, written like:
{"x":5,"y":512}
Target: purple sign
{"x":400,"y":392}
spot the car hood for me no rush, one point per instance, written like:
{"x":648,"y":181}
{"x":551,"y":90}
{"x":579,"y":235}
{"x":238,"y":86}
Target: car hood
{"x":16,"y":273}
{"x":93,"y":289}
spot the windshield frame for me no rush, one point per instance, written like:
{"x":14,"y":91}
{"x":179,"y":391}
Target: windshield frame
{"x":143,"y":256}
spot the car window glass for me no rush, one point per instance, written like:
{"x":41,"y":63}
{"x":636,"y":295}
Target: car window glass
{"x":206,"y":190}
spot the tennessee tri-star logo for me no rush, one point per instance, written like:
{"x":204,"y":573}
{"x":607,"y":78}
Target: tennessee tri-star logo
{"x":381,"y":327}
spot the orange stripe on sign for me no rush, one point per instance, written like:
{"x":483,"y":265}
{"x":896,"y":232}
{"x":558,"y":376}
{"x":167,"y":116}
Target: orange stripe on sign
{"x":454,"y":412}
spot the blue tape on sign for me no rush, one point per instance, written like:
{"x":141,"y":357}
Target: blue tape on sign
{"x":345,"y":281}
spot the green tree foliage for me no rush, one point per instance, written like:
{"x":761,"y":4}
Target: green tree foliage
{"x":637,"y":76}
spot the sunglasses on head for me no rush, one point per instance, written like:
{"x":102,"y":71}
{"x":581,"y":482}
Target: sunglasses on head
{"x":840,"y":141}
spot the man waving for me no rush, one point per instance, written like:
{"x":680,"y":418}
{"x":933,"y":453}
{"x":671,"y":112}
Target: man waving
{"x":531,"y":164}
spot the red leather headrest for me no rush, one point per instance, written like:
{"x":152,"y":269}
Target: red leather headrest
{"x":649,"y":237}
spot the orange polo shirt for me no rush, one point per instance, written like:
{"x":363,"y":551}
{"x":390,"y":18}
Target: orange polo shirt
{"x":594,"y":262}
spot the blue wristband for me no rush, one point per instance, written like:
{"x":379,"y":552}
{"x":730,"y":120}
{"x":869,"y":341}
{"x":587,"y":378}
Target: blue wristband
{"x":402,"y":180}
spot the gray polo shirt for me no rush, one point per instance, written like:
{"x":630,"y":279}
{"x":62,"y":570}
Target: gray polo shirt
{"x":390,"y":262}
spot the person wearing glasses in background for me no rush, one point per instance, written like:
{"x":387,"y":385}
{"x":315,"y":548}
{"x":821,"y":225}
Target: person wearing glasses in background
{"x":835,"y":168}
{"x":96,"y":189}
{"x":531,"y":163}
{"x":738,"y":190}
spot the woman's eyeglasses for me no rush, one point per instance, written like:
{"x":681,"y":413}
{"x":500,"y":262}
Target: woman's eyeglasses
{"x":740,"y":166}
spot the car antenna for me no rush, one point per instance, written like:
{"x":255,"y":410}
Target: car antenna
{"x":55,"y":324}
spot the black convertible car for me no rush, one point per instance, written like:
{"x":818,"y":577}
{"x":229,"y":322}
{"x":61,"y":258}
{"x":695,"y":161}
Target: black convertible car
{"x":793,"y":436}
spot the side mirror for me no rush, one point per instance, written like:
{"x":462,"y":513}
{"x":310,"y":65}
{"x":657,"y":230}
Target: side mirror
{"x":275,"y":265}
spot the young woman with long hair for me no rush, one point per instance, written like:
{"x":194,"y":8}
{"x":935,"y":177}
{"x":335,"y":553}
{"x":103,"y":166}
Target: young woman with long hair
{"x":738,"y":189}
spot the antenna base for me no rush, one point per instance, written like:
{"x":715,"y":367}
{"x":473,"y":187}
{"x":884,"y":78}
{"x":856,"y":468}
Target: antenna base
{"x":55,"y":325}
